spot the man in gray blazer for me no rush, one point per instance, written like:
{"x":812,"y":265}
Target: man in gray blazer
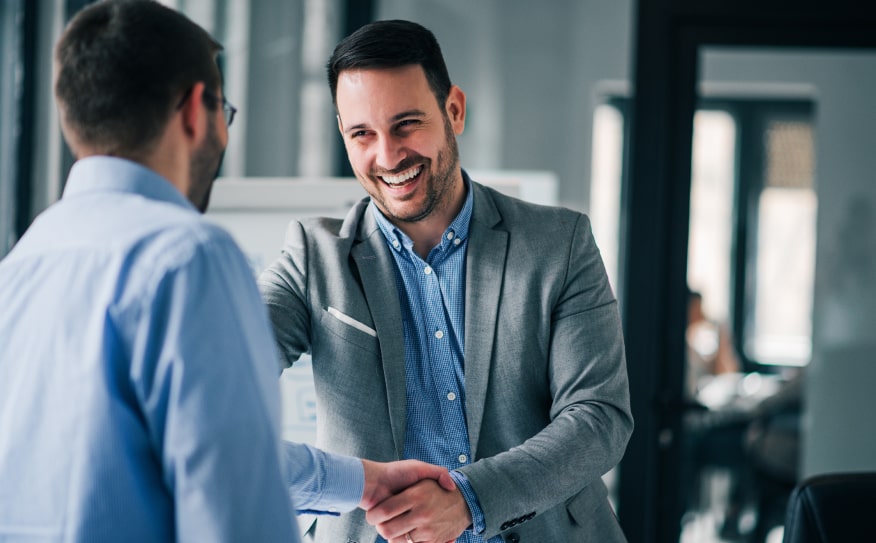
{"x":449,"y":323}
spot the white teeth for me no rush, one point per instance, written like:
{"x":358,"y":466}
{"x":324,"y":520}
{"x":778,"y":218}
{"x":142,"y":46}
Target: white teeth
{"x":397,"y":179}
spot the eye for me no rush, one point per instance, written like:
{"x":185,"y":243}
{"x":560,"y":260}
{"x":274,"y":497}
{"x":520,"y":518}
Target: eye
{"x":406,"y":125}
{"x":358,"y":134}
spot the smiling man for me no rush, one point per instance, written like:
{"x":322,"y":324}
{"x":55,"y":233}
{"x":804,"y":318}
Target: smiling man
{"x":402,"y":147}
{"x":452,"y":324}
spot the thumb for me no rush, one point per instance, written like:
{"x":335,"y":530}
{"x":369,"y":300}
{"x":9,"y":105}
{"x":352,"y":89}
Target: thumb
{"x":439,"y":474}
{"x":446,"y":481}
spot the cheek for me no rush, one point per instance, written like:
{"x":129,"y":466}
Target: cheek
{"x":428,"y":144}
{"x":355,"y":155}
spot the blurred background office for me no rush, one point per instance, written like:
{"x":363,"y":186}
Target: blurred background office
{"x":726,"y":149}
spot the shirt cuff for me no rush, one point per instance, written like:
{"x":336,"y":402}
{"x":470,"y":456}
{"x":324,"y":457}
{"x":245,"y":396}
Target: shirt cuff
{"x":471,"y":499}
{"x":321,"y":482}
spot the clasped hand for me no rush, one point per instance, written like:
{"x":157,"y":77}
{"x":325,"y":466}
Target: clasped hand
{"x":415,"y":498}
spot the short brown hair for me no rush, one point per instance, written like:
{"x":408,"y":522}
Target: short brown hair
{"x":121,"y":64}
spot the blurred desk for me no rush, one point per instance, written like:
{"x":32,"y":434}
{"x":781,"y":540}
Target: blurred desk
{"x":737,"y":391}
{"x":726,"y":405}
{"x":719,"y":441}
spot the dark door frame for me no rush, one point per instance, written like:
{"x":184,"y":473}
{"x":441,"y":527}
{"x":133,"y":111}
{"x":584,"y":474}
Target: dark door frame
{"x":669,"y":36}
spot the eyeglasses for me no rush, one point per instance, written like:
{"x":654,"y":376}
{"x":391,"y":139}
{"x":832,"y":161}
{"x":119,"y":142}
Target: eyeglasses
{"x":228,"y":110}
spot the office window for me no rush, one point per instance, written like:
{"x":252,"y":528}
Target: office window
{"x":11,"y":40}
{"x":274,"y":70}
{"x":751,"y":246}
{"x":713,"y":168}
{"x":781,"y":326}
{"x":605,"y":195}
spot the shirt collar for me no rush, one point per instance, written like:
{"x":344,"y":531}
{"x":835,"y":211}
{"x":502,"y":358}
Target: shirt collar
{"x":112,"y":174}
{"x":454,"y":235}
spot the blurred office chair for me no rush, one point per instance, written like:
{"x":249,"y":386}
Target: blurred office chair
{"x":833,"y":508}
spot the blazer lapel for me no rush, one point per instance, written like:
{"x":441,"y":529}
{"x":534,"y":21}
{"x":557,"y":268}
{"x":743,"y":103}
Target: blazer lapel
{"x":375,"y":266}
{"x":485,"y":270}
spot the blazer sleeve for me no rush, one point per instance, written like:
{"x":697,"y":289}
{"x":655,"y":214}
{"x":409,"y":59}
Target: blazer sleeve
{"x":284,"y":291}
{"x":589,"y":416}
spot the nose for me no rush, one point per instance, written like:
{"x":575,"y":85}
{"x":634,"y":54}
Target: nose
{"x":390,"y":152}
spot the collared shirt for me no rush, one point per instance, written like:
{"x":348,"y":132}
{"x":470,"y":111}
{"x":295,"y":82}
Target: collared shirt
{"x":139,"y":398}
{"x":432,"y":298}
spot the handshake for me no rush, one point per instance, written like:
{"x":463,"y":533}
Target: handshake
{"x":413,"y":502}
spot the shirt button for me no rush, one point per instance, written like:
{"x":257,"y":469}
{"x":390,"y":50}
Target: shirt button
{"x":450,"y":235}
{"x":457,"y":241}
{"x":439,"y":334}
{"x":463,"y":459}
{"x":451,"y":396}
{"x":395,"y":243}
{"x":428,"y":270}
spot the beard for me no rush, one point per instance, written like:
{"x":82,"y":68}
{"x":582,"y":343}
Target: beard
{"x":440,"y":188}
{"x":205,"y":166}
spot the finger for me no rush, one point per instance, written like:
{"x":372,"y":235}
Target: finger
{"x":388,"y":509}
{"x":395,"y":529}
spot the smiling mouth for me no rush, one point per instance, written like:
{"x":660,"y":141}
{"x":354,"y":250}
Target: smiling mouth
{"x":403,"y":178}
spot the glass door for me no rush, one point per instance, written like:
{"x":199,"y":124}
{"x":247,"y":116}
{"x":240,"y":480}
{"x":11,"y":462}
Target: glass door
{"x":779,"y":272}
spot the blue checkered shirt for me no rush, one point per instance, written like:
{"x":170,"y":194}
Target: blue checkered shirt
{"x":432,"y":298}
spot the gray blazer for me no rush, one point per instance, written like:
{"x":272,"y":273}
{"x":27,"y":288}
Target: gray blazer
{"x":547,"y":398}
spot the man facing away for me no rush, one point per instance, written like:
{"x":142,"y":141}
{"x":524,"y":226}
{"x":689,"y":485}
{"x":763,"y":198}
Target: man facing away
{"x":138,"y":392}
{"x":452,"y":324}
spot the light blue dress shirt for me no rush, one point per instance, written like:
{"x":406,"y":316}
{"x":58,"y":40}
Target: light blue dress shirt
{"x":139,"y":398}
{"x":432,"y":299}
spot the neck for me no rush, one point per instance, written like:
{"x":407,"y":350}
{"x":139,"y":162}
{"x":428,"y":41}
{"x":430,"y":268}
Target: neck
{"x":426,"y":233}
{"x":169,"y":159}
{"x":425,"y":236}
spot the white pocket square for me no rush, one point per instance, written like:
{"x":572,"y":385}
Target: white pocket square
{"x":346,"y":319}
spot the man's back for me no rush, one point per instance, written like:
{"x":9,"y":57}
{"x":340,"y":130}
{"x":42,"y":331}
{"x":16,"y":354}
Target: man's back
{"x":110,"y":386}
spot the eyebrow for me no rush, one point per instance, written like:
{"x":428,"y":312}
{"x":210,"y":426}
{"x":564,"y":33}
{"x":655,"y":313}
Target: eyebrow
{"x":395,"y":118}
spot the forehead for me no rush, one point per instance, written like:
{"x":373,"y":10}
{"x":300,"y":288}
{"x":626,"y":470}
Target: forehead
{"x":374,"y":95}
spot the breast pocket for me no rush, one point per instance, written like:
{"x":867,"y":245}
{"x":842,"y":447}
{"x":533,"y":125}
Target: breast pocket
{"x":335,"y":324}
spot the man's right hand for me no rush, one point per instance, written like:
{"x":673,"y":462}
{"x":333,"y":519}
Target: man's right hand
{"x":385,"y":479}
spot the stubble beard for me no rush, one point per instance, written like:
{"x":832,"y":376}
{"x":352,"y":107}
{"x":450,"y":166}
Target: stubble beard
{"x":205,"y":165}
{"x":441,"y":181}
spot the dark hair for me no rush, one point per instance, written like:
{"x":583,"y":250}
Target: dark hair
{"x":121,"y":67}
{"x":391,"y":44}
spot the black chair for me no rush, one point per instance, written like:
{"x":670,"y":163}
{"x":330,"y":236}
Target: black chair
{"x":833,"y":508}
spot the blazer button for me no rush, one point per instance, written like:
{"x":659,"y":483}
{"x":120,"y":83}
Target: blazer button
{"x":513,"y":538}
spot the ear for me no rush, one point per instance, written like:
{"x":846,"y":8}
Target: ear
{"x":192,"y":111}
{"x":455,"y":108}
